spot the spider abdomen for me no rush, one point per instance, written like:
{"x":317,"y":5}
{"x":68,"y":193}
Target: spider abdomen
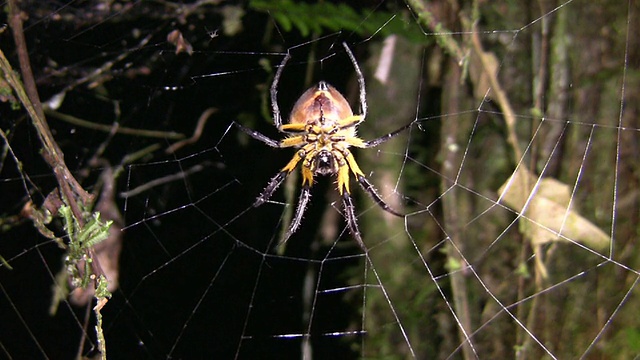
{"x":321,"y":104}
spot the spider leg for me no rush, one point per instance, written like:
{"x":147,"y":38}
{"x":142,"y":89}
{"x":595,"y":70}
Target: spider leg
{"x":276,"y":181}
{"x":273,"y":185}
{"x":259,"y":136}
{"x":369,"y":189}
{"x":287,"y":142}
{"x":363,"y":93}
{"x":352,"y":222}
{"x":351,"y":121}
{"x":384,"y":138}
{"x":365,"y":184}
{"x":305,"y":195}
{"x":277,"y":118}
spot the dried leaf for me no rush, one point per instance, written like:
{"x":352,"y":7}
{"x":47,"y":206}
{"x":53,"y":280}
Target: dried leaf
{"x":479,"y":77}
{"x":546,"y":215}
{"x":175,"y":37}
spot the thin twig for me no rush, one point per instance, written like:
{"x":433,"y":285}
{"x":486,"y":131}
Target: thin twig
{"x":108,"y":128}
{"x":15,"y":21}
{"x":444,"y":36}
{"x":500,"y":95}
{"x":202,"y":121}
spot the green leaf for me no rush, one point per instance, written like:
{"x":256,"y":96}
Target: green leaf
{"x":309,"y":18}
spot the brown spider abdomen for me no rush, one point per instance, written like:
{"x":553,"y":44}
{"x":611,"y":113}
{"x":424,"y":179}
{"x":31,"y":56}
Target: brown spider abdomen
{"x":320,"y":105}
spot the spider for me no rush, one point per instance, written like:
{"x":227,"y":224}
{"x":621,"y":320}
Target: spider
{"x":322,"y":127}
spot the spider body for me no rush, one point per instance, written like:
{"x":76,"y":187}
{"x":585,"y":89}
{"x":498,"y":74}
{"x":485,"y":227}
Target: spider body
{"x":322,"y":127}
{"x":322,"y":124}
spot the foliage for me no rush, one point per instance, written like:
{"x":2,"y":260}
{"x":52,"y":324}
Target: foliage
{"x":81,"y":240}
{"x":318,"y":17}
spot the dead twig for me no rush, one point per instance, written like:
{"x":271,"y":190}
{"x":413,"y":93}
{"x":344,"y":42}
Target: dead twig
{"x":108,"y":128}
{"x":202,"y":121}
{"x":28,"y":95}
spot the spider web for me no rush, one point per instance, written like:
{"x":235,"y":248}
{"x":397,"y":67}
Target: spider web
{"x":518,"y":178}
